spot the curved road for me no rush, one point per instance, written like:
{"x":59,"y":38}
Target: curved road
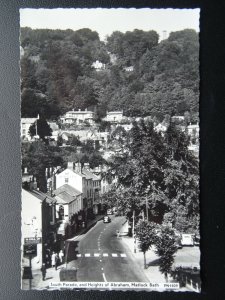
{"x":101,"y":256}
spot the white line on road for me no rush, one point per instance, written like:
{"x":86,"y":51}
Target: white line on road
{"x":102,"y":269}
{"x":100,"y":260}
{"x":96,"y":254}
{"x":78,"y":255}
{"x":104,"y":277}
{"x":114,"y":255}
{"x":87,"y":254}
{"x":105,"y":255}
{"x":123,"y":255}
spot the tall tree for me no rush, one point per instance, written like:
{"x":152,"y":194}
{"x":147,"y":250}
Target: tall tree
{"x":41,"y":128}
{"x":166,"y":248}
{"x":145,"y":233}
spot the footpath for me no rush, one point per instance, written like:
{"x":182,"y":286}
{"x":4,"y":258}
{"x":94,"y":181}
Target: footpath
{"x":152,"y":273}
{"x":52,"y":275}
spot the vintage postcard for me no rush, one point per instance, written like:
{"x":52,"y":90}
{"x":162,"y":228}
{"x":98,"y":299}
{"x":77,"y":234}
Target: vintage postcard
{"x":110,"y":149}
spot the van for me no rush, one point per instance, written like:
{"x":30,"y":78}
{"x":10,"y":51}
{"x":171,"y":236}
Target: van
{"x":187,"y":240}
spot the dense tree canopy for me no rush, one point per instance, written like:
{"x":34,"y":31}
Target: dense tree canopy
{"x":57,"y":72}
{"x":158,"y":170}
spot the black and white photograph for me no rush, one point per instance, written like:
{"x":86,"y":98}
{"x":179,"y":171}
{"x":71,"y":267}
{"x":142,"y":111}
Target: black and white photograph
{"x":110,"y":149}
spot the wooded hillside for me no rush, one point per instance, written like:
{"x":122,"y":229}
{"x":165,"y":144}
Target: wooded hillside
{"x":57,"y":73}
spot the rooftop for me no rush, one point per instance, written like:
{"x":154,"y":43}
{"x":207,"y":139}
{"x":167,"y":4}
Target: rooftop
{"x":80,"y":112}
{"x":28,"y":120}
{"x":89,"y":175}
{"x":42,"y":196}
{"x":66,"y":188}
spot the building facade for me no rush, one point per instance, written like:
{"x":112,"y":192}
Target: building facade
{"x":69,"y":201}
{"x":114,"y":116}
{"x":83,"y":181}
{"x":38,"y":226}
{"x":25,"y":126}
{"x":78,"y":117}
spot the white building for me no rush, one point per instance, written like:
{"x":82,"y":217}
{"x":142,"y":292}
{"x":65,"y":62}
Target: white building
{"x":160,"y":128}
{"x":55,"y":130}
{"x":78,"y":117}
{"x":106,"y":181}
{"x":98,"y":65}
{"x":37,"y":217}
{"x":114,"y":116}
{"x":69,"y":201}
{"x":25,"y":126}
{"x":177,"y":118}
{"x":83,"y":181}
{"x":193,"y":130}
{"x":129,"y":69}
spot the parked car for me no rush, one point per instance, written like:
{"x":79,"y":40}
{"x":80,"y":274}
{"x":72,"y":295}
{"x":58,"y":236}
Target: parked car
{"x":187,"y":240}
{"x":196,"y":240}
{"x":106,"y":219}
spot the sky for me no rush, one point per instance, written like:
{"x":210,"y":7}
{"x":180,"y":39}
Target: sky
{"x":105,"y":21}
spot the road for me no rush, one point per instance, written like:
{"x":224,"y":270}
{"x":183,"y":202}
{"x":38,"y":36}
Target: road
{"x":100,"y":255}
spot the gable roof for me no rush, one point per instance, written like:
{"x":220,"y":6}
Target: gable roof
{"x":66,"y":188}
{"x":42,"y":196}
{"x":66,"y":193}
{"x":64,"y":197}
{"x":89,"y":175}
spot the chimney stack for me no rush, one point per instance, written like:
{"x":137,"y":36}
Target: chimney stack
{"x":87,"y":166}
{"x":78,"y":167}
{"x":70,"y":165}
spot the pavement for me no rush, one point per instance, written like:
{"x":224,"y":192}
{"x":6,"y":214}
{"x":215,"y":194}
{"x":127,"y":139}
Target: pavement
{"x":186,"y":257}
{"x":52,"y":275}
{"x":152,"y":272}
{"x":100,"y":254}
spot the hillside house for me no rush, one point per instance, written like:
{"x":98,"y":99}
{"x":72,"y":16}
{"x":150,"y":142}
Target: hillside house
{"x":25,"y":126}
{"x":114,"y":116}
{"x":98,"y":65}
{"x":78,"y":117}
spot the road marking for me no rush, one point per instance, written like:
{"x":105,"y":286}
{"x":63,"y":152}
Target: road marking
{"x":104,"y":277}
{"x":102,"y":269}
{"x":100,"y":260}
{"x":101,"y":254}
{"x":114,"y":255}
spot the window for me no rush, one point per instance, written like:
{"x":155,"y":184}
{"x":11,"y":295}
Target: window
{"x":66,"y":179}
{"x":24,"y":131}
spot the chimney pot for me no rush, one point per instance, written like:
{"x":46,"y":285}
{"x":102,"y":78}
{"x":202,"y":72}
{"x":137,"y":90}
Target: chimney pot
{"x":70,"y":165}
